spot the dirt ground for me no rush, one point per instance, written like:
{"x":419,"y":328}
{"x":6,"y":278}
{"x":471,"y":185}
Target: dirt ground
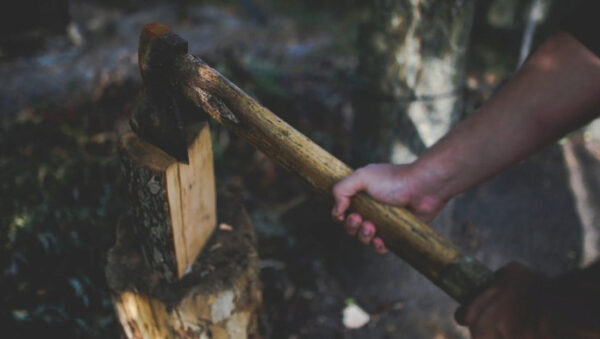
{"x":542,"y":212}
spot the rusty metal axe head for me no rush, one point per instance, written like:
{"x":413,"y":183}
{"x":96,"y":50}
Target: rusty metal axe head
{"x":156,"y":117}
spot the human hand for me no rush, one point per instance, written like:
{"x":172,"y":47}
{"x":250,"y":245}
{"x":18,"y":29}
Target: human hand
{"x":524,"y":305}
{"x":398,"y":185}
{"x":509,"y":309}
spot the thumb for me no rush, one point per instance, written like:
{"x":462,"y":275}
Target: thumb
{"x":343,"y":192}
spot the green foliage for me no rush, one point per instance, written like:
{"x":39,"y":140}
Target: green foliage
{"x":59,"y":202}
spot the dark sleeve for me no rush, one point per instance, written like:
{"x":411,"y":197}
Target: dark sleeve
{"x":573,"y":299}
{"x":583,"y":22}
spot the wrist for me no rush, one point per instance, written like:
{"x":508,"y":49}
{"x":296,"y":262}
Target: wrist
{"x":434,"y":179}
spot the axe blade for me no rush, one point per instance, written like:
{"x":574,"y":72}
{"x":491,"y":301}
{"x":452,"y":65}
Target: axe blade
{"x":156,"y":117}
{"x":157,"y":120}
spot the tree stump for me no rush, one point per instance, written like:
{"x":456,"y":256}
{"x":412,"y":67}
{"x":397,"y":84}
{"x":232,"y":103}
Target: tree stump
{"x":173,"y":203}
{"x":220,"y":298}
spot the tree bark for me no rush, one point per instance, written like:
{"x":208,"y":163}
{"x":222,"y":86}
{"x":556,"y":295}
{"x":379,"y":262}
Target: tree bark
{"x":221,"y":298}
{"x":410,"y":76}
{"x":173,"y":203}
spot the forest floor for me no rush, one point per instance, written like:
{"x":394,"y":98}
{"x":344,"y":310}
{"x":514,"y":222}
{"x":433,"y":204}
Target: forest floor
{"x":61,"y":194}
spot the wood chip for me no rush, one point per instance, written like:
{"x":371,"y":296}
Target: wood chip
{"x":355,"y":317}
{"x":225,"y":227}
{"x":215,"y":247}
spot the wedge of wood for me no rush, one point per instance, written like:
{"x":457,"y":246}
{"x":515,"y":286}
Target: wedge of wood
{"x":174,"y":203}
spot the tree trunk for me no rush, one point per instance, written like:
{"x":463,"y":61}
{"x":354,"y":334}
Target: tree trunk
{"x":221,"y":298}
{"x":173,"y":203}
{"x":411,"y":71}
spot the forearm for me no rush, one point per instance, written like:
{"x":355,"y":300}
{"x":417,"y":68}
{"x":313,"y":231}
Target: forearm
{"x":556,"y":91}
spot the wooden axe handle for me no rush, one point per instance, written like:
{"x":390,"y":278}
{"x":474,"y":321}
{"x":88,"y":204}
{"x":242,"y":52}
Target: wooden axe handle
{"x":404,"y":234}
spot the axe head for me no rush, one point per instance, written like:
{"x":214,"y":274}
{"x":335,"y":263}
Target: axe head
{"x":156,"y":116}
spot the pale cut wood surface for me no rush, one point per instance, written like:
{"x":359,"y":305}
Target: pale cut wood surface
{"x":174,"y":203}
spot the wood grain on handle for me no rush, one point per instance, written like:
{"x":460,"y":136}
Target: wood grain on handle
{"x":404,"y":234}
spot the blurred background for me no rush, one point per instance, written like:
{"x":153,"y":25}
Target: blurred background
{"x":368,"y":80}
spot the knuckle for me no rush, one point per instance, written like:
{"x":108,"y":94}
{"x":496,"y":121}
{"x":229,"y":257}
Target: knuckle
{"x":355,"y":218}
{"x":370,"y":226}
{"x":427,"y":207}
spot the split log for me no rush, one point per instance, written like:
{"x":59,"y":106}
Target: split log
{"x":221,"y":298}
{"x":173,"y":203}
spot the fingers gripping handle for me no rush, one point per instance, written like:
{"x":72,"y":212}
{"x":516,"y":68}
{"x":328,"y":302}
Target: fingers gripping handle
{"x":460,"y":276}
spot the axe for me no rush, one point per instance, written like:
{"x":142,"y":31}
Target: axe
{"x":171,"y":75}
